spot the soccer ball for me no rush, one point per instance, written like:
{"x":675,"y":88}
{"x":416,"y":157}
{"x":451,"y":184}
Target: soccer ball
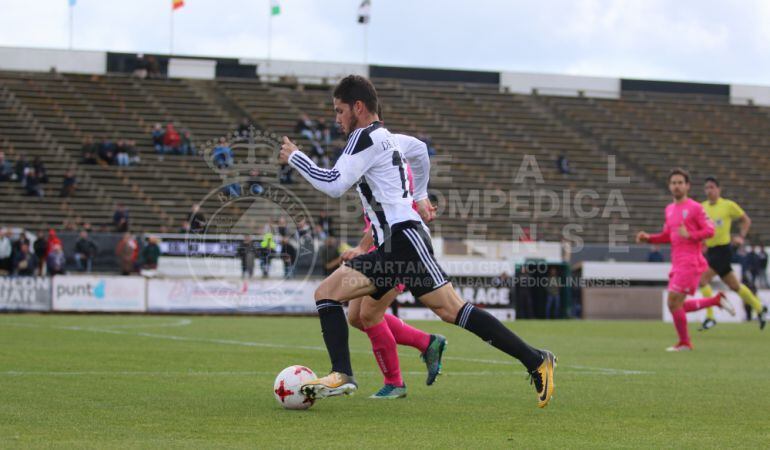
{"x":287,"y":384}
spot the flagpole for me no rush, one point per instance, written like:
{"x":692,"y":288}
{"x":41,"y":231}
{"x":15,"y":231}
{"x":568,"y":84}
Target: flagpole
{"x":269,"y":42}
{"x":366,"y":43}
{"x":72,"y":15}
{"x":171,"y":33}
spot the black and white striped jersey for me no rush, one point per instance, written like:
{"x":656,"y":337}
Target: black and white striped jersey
{"x":416,"y":153}
{"x":374,"y":154}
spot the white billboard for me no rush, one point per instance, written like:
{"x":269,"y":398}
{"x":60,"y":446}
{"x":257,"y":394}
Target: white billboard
{"x":95,"y":293}
{"x":231,"y":295}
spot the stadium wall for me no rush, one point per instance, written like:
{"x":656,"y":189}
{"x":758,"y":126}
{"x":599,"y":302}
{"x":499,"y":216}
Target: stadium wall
{"x":45,"y":60}
{"x":563,"y":85}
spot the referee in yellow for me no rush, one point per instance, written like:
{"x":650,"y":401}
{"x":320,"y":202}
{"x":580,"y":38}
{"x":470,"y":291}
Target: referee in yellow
{"x":718,"y":254}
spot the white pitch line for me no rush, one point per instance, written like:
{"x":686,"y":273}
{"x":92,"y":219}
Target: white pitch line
{"x":127,"y":373}
{"x":580,"y":369}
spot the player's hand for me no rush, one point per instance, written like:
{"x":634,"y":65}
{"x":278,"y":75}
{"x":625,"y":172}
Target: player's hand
{"x":287,"y":148}
{"x":352,"y":253}
{"x":642,"y":237}
{"x":426,"y":210}
{"x":683,"y":232}
{"x":738,"y":240}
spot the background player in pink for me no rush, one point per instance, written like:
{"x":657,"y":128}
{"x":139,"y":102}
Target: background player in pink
{"x":685,"y":228}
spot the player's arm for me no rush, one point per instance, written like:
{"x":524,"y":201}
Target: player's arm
{"x":664,"y":237}
{"x":705,"y":227}
{"x":335,"y":181}
{"x":367,"y":240}
{"x":745,"y":223}
{"x":417,"y":156}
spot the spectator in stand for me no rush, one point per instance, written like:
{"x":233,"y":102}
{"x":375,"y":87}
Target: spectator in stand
{"x":655,"y":254}
{"x":106,"y":152}
{"x":33,"y":181}
{"x":285,"y":174}
{"x":282,"y":227}
{"x":319,"y":233}
{"x":196,"y":219}
{"x":266,"y":249}
{"x":171,"y":140}
{"x":133,"y":154}
{"x":151,"y":253}
{"x":325,"y":221}
{"x":6,"y":251}
{"x":153,"y":68}
{"x":754,"y":264}
{"x":85,"y":252}
{"x":141,"y":69}
{"x":244,"y":129}
{"x":52,"y":241}
{"x":323,"y":131}
{"x":247,"y":251}
{"x":562,"y":163}
{"x":187,"y":147}
{"x":303,"y":229}
{"x":6,"y":170}
{"x":335,"y":131}
{"x":120,"y":218}
{"x":40,"y":171}
{"x":288,"y":256}
{"x":524,"y":287}
{"x":68,"y":184}
{"x":21,"y":170}
{"x":157,"y":138}
{"x":121,"y":153}
{"x":127,"y":252}
{"x":255,"y":187}
{"x":222,"y":154}
{"x":184,"y":227}
{"x":318,"y":154}
{"x":306,"y":128}
{"x":89,"y":151}
{"x":55,"y":261}
{"x":424,"y":137}
{"x":40,"y":248}
{"x":24,"y":261}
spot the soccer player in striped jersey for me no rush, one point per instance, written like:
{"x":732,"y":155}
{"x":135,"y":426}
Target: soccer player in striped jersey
{"x":685,"y":228}
{"x":404,"y":252}
{"x":718,"y":253}
{"x":369,"y":315}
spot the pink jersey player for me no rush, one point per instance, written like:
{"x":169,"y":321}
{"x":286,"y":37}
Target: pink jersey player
{"x":687,"y":261}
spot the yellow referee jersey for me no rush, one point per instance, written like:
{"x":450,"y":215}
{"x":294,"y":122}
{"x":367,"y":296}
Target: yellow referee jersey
{"x":722,"y":213}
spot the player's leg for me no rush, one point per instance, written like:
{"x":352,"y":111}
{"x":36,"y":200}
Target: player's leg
{"x":705,"y":289}
{"x":343,"y":285}
{"x":383,"y":345}
{"x":747,"y":296}
{"x":431,"y":346}
{"x":676,"y":306}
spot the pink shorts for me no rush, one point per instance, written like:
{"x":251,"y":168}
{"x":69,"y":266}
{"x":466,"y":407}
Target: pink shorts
{"x":684,"y":280}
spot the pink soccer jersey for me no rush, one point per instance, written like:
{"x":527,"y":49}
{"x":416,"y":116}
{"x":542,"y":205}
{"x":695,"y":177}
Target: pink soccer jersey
{"x":687,"y":261}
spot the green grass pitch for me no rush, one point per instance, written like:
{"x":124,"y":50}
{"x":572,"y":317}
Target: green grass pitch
{"x":191,"y":382}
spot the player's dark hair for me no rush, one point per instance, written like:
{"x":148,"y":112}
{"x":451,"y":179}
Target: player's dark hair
{"x":353,"y":88}
{"x":711,"y":179}
{"x":679,"y":171}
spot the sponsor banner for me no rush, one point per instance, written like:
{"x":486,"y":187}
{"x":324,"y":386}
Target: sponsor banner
{"x":720,"y":315}
{"x":25,"y":294}
{"x":233,"y":295}
{"x":427,"y":314}
{"x":95,"y":293}
{"x":481,"y":291}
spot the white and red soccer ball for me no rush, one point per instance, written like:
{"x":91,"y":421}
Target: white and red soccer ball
{"x":287,"y":385}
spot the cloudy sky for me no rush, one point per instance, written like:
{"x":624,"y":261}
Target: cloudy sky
{"x":696,"y":40}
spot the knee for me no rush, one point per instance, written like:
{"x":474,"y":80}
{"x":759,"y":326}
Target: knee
{"x":369,"y":319}
{"x":447,"y":313}
{"x":323,"y":292}
{"x":355,"y":322}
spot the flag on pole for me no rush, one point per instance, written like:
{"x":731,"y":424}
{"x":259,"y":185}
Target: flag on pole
{"x":176,"y":4}
{"x":275,"y":8}
{"x":363,"y":12}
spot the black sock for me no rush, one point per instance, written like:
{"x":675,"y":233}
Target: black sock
{"x":490,"y":330}
{"x":334,"y":326}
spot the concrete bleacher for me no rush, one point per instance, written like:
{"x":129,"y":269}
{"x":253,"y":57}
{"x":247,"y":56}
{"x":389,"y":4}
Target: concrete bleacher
{"x":481,"y":134}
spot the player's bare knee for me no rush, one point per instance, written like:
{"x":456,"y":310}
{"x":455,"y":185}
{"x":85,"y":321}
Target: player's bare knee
{"x":324,"y":292}
{"x":355,"y":321}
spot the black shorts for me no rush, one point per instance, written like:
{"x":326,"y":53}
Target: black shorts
{"x":406,"y":257}
{"x":719,"y":258}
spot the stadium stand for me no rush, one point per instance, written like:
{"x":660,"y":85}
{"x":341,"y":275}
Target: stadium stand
{"x":481,"y":134}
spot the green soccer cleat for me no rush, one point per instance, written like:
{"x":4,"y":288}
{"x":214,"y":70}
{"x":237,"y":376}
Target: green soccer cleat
{"x":390,"y":392}
{"x":707,"y":324}
{"x":432,"y":357}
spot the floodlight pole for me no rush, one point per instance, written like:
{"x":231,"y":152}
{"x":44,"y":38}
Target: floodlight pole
{"x":72,"y":20}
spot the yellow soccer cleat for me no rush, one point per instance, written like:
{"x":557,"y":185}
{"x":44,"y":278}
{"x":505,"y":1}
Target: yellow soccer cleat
{"x":542,"y":378}
{"x":336,"y":383}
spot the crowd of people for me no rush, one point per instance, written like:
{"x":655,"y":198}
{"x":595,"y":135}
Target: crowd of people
{"x":32,"y":175}
{"x":170,"y":141}
{"x":109,"y":152}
